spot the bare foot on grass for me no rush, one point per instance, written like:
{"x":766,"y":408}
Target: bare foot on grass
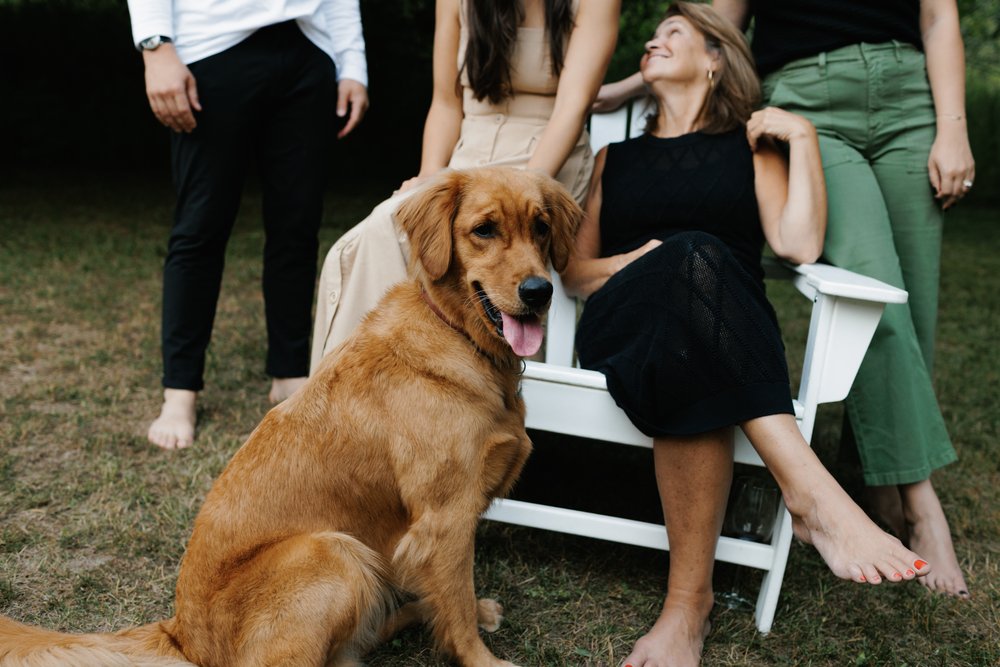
{"x":930,"y":535}
{"x":174,"y":428}
{"x":852,"y":545}
{"x":282,"y":388}
{"x":677,"y":637}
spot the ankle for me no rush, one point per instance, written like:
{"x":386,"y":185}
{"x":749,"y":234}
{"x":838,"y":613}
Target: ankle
{"x":693,"y":602}
{"x":920,"y":502}
{"x":180,"y":397}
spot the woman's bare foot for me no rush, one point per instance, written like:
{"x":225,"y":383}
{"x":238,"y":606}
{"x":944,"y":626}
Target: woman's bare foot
{"x":174,"y":428}
{"x":851,"y":544}
{"x":930,"y":535}
{"x":885,"y":506}
{"x":677,"y":637}
{"x":282,"y":388}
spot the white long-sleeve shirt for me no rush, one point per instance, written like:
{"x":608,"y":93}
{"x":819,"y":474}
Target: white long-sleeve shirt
{"x":201,"y":28}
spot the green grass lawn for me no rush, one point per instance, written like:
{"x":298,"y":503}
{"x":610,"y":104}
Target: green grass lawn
{"x":93,"y":520}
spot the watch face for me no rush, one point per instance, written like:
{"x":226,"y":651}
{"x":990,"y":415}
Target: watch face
{"x":150,"y":43}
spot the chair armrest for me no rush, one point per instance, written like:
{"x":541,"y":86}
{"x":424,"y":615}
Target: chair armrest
{"x":813,"y":279}
{"x":846,"y":310}
{"x":835,"y":281}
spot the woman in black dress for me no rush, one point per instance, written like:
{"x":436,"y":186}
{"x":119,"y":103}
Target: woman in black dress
{"x":668,"y":258}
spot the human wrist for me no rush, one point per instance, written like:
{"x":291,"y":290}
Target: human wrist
{"x":161,"y":53}
{"x":153,"y":42}
{"x":950,"y":123}
{"x":951,"y":128}
{"x":953,"y":117}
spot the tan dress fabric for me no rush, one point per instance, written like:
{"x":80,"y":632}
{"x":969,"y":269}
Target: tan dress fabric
{"x":371,"y":257}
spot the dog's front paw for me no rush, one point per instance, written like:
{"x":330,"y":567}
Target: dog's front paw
{"x":489,"y":614}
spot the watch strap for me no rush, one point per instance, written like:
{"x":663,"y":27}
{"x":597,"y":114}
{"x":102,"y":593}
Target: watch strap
{"x":152,"y":43}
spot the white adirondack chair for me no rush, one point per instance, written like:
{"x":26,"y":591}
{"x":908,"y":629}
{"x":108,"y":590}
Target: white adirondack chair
{"x":561,"y":398}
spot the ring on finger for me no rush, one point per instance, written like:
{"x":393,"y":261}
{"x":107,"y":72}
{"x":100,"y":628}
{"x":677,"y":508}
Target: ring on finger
{"x":967,"y":184}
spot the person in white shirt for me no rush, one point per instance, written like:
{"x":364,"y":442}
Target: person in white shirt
{"x":236,"y":82}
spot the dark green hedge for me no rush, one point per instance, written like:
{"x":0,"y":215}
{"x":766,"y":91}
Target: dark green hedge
{"x":73,"y":89}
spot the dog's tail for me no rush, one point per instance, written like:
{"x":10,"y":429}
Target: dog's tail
{"x":147,"y":646}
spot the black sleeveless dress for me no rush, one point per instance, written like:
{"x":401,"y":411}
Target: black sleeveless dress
{"x":685,"y":334}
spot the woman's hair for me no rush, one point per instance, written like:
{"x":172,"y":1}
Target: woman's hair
{"x":735,"y":89}
{"x":492,"y":33}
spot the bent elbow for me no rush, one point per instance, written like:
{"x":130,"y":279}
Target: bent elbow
{"x":805,"y":255}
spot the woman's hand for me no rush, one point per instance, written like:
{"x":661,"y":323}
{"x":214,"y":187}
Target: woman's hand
{"x":411,"y":183}
{"x":790,"y":187}
{"x":775,"y":123}
{"x":629,"y":257}
{"x":585,"y":275}
{"x":951,"y":165}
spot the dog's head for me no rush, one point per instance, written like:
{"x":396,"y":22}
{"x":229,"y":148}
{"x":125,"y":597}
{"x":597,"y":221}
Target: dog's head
{"x":481,"y":243}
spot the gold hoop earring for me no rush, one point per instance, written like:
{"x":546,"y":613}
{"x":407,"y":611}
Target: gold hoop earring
{"x":711,"y":78}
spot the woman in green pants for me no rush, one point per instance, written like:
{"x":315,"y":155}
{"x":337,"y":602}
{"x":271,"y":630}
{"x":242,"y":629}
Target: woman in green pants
{"x":884,"y":85}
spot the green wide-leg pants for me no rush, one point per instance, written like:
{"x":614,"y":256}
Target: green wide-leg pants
{"x":872,"y":107}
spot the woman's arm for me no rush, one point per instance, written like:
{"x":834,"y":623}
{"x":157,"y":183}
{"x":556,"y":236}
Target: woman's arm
{"x":587,"y":271}
{"x":791,"y":195}
{"x":950,"y":162}
{"x":444,"y":118}
{"x":591,"y":44}
{"x":615,"y":94}
{"x":737,"y":11}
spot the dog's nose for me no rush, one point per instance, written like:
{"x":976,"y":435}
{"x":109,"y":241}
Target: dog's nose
{"x":535,"y":292}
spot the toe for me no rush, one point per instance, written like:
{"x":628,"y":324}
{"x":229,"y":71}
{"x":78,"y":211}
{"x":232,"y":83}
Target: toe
{"x":871,"y":574}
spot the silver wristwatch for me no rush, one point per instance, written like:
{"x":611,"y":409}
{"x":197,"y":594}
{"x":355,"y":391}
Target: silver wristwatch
{"x":154,"y":42}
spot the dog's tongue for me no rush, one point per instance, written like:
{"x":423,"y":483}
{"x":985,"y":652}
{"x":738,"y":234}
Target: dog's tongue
{"x":524,"y":336}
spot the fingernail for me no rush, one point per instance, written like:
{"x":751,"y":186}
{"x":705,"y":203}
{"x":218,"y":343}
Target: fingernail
{"x":920,"y":564}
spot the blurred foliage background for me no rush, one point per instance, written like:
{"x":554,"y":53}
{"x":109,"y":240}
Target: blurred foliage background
{"x":73,"y":87}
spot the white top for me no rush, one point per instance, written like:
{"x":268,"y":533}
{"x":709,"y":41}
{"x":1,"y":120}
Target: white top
{"x":202,"y":28}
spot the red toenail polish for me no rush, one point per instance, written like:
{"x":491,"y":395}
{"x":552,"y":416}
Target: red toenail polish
{"x":862,"y":579}
{"x":920,"y":564}
{"x":910,"y":573}
{"x":897,"y":575}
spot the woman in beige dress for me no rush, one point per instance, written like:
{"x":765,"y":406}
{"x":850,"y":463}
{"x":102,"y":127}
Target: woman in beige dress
{"x":513,"y":84}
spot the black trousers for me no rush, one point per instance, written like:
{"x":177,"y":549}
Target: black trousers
{"x":269,"y":99}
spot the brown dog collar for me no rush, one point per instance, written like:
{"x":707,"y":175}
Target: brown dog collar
{"x":437,"y":311}
{"x":441,"y":316}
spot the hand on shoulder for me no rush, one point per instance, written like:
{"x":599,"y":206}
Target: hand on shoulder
{"x":775,"y":123}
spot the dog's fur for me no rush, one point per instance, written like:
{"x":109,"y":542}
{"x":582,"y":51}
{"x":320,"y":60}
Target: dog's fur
{"x":364,"y":488}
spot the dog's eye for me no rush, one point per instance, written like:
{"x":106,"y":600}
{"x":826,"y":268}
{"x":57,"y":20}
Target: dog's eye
{"x":541,"y":228}
{"x":486,"y":230}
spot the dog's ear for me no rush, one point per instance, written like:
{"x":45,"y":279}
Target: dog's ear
{"x":564,"y":219}
{"x":428,"y":216}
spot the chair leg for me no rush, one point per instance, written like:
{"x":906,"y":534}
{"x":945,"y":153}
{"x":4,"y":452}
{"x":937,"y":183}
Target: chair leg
{"x":767,"y":600}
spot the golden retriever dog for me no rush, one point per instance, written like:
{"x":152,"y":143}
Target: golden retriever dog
{"x":351,"y":511}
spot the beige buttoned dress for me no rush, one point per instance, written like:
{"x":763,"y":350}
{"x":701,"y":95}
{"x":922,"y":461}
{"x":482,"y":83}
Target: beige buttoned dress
{"x":373,"y":256}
